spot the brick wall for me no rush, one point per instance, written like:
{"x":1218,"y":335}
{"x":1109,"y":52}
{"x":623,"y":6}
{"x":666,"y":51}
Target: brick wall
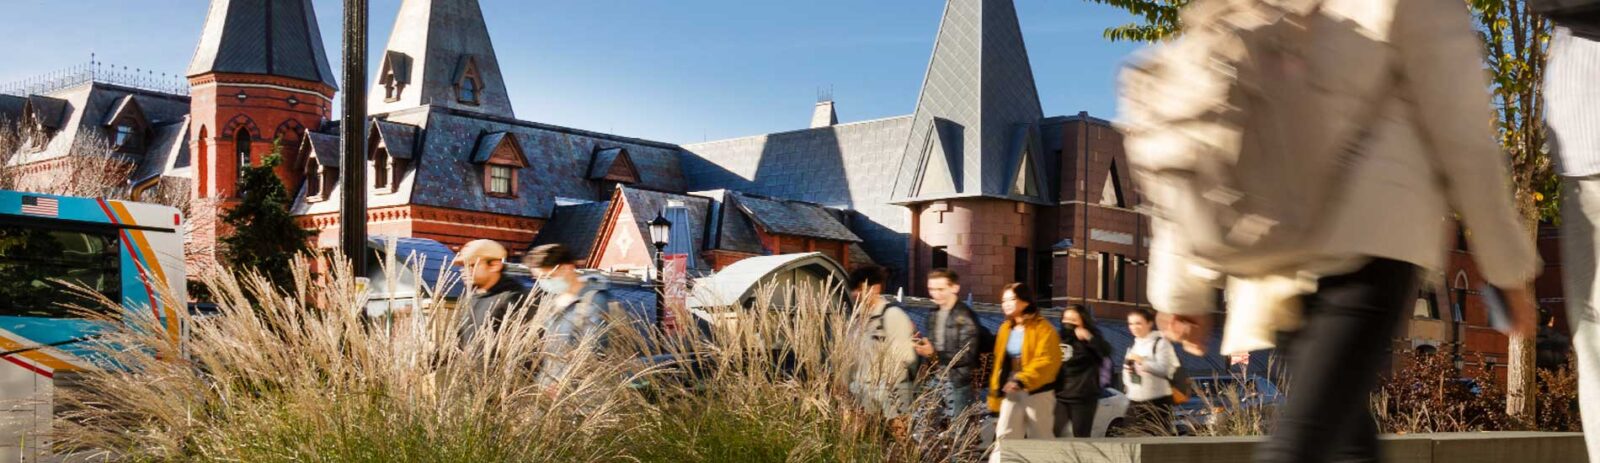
{"x":979,"y":236}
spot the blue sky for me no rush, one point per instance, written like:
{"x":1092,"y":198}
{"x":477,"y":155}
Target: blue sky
{"x":670,"y":70}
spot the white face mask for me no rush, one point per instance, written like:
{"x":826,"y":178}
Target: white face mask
{"x":553,"y":285}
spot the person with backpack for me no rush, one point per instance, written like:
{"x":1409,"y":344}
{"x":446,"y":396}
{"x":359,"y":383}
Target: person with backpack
{"x":1085,"y":371}
{"x":1572,"y":112}
{"x":954,"y":340}
{"x":1022,"y":381}
{"x":886,"y":362}
{"x":580,"y":308}
{"x":1308,"y":155}
{"x":1147,"y":371}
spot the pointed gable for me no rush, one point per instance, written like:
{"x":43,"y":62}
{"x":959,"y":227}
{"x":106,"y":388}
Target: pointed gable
{"x":399,"y":139}
{"x":266,"y":37}
{"x":44,"y":112}
{"x":1025,"y":176}
{"x":500,"y":148}
{"x":941,"y":161}
{"x":613,"y":164}
{"x":394,"y":75}
{"x":979,"y":79}
{"x":443,"y":42}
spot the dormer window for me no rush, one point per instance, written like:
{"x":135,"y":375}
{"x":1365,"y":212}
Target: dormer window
{"x":127,"y":126}
{"x":469,"y":84}
{"x":394,"y":75}
{"x":501,"y":157}
{"x":313,"y":180}
{"x":380,"y":169}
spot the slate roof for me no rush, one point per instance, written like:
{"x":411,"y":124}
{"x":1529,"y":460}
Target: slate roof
{"x":646,"y":204}
{"x":841,"y":166}
{"x":437,"y":36}
{"x":730,"y":229}
{"x":47,"y":111}
{"x":168,"y":145}
{"x":325,"y":147}
{"x":81,"y":111}
{"x":603,"y":160}
{"x":979,"y":80}
{"x":788,"y":217}
{"x":575,"y":226}
{"x":399,"y":139}
{"x":486,"y":146}
{"x":267,"y":37}
{"x":11,"y":108}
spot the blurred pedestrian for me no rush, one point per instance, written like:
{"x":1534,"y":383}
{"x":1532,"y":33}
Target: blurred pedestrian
{"x":1148,"y":368}
{"x":1022,"y":381}
{"x":580,"y":311}
{"x":1572,"y":102}
{"x":491,"y":295}
{"x":952,"y":343}
{"x":886,"y":361}
{"x":1322,"y":192}
{"x":1085,"y":370}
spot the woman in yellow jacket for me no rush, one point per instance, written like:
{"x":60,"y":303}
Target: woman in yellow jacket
{"x":1027,"y":356}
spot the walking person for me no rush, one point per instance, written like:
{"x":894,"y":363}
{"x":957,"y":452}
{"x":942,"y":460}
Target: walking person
{"x":1573,"y":115}
{"x":1148,"y":368}
{"x":886,"y":359}
{"x":1022,"y":381}
{"x":1085,"y":354}
{"x":492,"y":294}
{"x":952,"y":344}
{"x":1409,"y":102}
{"x":580,"y":312}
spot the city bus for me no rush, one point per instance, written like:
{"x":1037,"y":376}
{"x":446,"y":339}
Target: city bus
{"x":126,"y":251}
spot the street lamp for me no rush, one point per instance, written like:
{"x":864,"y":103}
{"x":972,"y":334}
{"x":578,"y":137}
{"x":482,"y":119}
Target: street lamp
{"x":660,"y":234}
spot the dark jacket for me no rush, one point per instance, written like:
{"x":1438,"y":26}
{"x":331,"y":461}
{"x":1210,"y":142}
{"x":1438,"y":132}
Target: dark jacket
{"x":959,"y":349}
{"x":1080,"y":366}
{"x":487,"y":309}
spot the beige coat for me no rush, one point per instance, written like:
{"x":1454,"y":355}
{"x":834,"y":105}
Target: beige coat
{"x":1434,"y":151}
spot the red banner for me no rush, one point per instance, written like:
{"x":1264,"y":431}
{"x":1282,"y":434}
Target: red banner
{"x":677,"y":290}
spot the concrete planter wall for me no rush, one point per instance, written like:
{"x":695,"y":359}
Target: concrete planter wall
{"x":1521,"y":447}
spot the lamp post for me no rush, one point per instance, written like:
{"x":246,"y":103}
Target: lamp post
{"x":660,"y":233}
{"x":353,"y":138}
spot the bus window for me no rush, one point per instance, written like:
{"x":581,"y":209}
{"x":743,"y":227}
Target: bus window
{"x":34,"y":256}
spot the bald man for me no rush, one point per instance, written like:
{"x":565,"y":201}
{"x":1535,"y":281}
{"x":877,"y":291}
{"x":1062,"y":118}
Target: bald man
{"x":482,"y":264}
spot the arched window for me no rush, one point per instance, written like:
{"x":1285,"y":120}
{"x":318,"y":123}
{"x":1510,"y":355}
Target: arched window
{"x":313,"y":179}
{"x":241,"y":149}
{"x":380,"y":168}
{"x":203,"y":149}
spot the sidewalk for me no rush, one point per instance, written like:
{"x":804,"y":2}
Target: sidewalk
{"x":1520,"y":447}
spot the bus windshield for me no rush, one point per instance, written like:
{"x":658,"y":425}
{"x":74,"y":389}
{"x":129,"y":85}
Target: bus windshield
{"x":36,"y":256}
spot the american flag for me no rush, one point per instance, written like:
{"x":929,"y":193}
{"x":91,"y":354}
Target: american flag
{"x":42,"y":206}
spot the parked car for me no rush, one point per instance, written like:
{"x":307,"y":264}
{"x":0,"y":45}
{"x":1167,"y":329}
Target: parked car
{"x":1217,"y":395}
{"x":1110,"y":417}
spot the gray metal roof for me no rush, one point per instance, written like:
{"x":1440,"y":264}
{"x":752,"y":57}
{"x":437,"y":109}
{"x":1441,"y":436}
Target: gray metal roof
{"x":437,"y":37}
{"x":730,"y":229}
{"x":842,"y":166}
{"x":267,"y":37}
{"x":575,"y":226}
{"x":980,"y":81}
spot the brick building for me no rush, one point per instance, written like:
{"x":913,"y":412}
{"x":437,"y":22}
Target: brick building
{"x":976,"y":178}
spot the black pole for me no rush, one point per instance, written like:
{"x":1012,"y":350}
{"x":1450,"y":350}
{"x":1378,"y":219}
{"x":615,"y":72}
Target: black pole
{"x":352,"y":132}
{"x":661,"y":287}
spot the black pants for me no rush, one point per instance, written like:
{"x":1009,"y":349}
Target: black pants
{"x":1151,"y":417}
{"x":1334,"y":363}
{"x":1078,"y":415}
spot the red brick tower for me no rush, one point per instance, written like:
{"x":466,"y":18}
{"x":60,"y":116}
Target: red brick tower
{"x":259,"y":74}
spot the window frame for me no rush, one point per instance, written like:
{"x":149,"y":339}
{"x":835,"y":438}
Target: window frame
{"x":510,"y":179}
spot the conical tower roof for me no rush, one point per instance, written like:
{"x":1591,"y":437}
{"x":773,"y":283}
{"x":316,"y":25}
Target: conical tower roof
{"x":265,"y":37}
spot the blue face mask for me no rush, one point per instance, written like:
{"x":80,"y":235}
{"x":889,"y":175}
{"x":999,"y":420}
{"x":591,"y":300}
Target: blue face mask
{"x":552,"y":285}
